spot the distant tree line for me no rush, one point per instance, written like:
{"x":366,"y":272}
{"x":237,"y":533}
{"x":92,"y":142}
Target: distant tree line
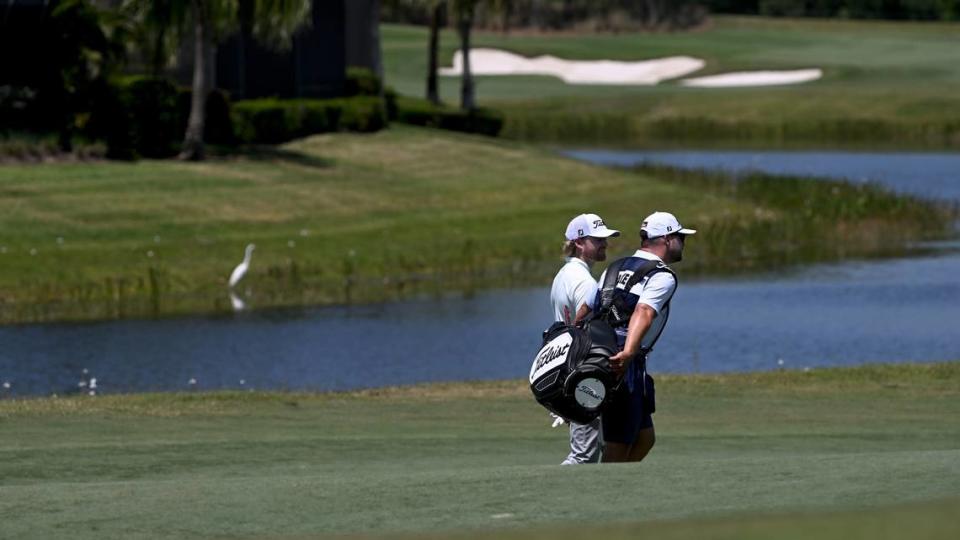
{"x":58,"y":58}
{"x":944,"y":10}
{"x":590,"y":15}
{"x":617,"y":15}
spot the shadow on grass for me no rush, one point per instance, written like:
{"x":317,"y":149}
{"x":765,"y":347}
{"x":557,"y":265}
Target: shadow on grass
{"x":272,"y":153}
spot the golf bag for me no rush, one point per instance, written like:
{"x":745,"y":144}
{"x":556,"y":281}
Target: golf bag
{"x":570,"y":375}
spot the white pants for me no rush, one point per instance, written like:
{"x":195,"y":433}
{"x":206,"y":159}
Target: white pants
{"x":585,"y":442}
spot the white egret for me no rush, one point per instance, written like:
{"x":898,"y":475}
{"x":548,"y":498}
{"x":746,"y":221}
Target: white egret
{"x":241,"y":268}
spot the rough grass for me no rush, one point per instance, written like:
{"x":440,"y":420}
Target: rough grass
{"x":737,"y":456}
{"x":885,"y":84}
{"x":350,"y":218}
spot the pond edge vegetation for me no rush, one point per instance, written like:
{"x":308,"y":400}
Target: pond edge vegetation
{"x":790,"y":219}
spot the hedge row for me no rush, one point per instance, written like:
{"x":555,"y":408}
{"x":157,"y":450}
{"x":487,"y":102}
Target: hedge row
{"x":421,"y":112}
{"x":273,"y":121}
{"x":147,"y":117}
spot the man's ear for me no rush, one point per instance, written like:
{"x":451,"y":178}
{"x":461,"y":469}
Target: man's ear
{"x":579,"y":242}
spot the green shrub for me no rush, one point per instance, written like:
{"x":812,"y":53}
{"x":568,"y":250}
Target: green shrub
{"x":365,"y":115}
{"x":144,"y":116}
{"x":361,"y":82}
{"x":421,"y":112}
{"x":111,"y":120}
{"x":272,"y":121}
{"x":152,"y":109}
{"x":390,"y":97}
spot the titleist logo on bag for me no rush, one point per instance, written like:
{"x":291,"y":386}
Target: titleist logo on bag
{"x":551,"y":355}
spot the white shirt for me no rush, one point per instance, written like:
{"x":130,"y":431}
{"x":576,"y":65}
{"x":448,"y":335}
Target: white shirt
{"x":654,"y":290}
{"x":573,"y":287}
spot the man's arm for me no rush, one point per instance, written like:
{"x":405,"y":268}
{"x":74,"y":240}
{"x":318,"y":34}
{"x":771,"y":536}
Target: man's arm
{"x":640,"y":322}
{"x":582,"y":313}
{"x":585,"y":293}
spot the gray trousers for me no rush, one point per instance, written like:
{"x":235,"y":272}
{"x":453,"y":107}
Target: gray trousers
{"x":585,"y":443}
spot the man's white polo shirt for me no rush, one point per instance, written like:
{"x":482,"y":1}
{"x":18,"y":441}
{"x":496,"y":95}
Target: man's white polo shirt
{"x":573,"y":287}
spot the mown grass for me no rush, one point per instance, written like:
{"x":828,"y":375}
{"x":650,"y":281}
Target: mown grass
{"x":931,"y":520}
{"x":884,"y":83}
{"x":351,"y":218}
{"x":737,"y":456}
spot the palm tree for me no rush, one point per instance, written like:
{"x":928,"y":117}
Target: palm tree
{"x":464,"y":11}
{"x":437,"y":9}
{"x":273,"y":22}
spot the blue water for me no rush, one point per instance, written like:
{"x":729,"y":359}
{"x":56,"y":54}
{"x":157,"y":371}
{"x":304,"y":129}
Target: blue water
{"x":929,"y":175}
{"x":833,"y":315}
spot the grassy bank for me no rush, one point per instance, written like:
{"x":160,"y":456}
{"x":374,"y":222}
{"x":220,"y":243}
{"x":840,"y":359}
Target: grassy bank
{"x":885,"y":84}
{"x":350,"y":218}
{"x":471,"y":457}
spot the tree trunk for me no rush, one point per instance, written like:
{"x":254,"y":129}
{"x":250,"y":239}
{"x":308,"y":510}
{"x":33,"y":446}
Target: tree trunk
{"x":536,"y":15}
{"x":433,"y":90}
{"x":653,"y":13}
{"x":376,"y":56}
{"x":467,"y":94}
{"x":159,"y":60}
{"x":193,"y":147}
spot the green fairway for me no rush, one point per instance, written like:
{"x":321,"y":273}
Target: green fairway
{"x":346,"y":218}
{"x":884,"y":83}
{"x":480,"y":456}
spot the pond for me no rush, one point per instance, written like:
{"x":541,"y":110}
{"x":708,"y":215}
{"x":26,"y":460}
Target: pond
{"x":830,"y":315}
{"x":929,"y":175}
{"x":826,"y":315}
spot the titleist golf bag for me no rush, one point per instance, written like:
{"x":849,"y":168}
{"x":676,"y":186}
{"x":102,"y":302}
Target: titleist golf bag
{"x":571,"y":374}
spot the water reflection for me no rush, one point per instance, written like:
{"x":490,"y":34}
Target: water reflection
{"x":889,"y":311}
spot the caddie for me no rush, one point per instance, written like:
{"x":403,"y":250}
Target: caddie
{"x":572,"y":294}
{"x":642,"y":313}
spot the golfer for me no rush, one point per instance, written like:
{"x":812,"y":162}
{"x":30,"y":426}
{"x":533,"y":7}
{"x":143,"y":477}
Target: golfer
{"x":627,"y":422}
{"x":572,"y":294}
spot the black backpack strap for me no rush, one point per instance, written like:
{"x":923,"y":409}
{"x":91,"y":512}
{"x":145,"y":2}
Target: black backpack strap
{"x":609,"y":286}
{"x":618,"y":313}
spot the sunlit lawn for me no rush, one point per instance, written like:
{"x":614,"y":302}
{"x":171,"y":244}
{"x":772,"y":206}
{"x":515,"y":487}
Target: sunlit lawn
{"x":891,"y":72}
{"x":871,"y":443}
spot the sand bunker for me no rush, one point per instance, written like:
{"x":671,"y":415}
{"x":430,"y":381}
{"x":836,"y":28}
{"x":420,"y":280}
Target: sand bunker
{"x":755,"y":78}
{"x":647,"y":72}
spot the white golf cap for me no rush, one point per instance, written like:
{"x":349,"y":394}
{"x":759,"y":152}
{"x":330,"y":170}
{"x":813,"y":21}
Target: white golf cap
{"x":663,"y":223}
{"x":588,"y":225}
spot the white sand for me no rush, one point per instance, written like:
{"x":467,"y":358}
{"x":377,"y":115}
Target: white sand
{"x":755,"y":78}
{"x":647,"y":72}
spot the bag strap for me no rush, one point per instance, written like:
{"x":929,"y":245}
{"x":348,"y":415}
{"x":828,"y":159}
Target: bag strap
{"x":611,"y":310}
{"x":609,"y":287}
